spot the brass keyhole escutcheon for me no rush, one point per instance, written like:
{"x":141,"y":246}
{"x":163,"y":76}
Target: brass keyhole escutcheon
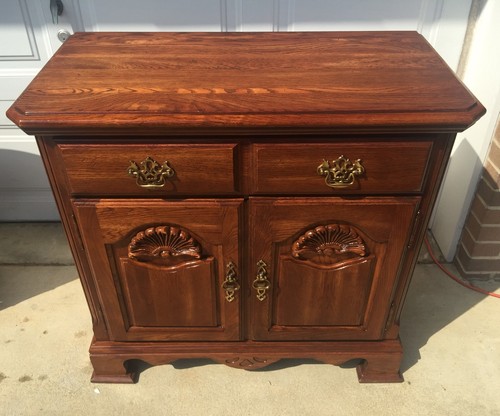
{"x":261,"y":284}
{"x":230,"y":284}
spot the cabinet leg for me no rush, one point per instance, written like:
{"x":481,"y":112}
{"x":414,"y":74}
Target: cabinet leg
{"x":380,"y":369}
{"x":108,"y":369}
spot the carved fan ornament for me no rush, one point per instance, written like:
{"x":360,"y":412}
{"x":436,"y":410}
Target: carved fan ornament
{"x":328,"y":243}
{"x":161,"y":243}
{"x":249,"y":362}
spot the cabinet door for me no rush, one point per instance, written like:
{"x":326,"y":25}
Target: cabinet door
{"x":325,"y":268}
{"x":162,"y":268}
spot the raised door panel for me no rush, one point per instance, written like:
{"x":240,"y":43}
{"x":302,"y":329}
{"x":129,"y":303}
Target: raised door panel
{"x":320,"y":292}
{"x":181,"y":295}
{"x":161,"y":267}
{"x":325,"y":268}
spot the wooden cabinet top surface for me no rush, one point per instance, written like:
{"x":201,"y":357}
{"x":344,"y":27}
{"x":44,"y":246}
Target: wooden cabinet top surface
{"x":230,"y":82}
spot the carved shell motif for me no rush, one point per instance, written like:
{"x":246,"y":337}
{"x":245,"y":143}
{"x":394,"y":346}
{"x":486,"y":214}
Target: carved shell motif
{"x":163,"y":242}
{"x":334,"y":241}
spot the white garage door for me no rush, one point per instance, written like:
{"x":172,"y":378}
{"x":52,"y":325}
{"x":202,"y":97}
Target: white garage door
{"x":29,"y":36}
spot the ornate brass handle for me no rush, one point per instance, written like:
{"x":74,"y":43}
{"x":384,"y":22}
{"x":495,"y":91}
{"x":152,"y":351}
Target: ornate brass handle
{"x":149,"y":173}
{"x":230,"y":284}
{"x":340,"y":173}
{"x":261,"y":284}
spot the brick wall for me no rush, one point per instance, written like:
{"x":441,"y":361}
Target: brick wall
{"x":478,"y":255}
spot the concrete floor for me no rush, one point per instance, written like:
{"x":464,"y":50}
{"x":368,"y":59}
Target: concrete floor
{"x":451,"y":337}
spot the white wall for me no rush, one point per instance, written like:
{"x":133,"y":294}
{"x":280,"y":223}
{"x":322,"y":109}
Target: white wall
{"x":482,"y":76}
{"x":24,"y":192}
{"x":28,"y":38}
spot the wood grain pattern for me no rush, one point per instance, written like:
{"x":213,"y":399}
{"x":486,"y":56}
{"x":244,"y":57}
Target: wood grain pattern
{"x":321,"y":293}
{"x":102,"y":168}
{"x":245,"y":120}
{"x":169,"y":81}
{"x":298,"y":306}
{"x":180,"y":296}
{"x":148,"y":302}
{"x":292,"y":168}
{"x":115,"y":362}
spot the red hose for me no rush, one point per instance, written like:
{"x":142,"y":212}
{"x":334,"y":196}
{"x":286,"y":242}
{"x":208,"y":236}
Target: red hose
{"x":455,"y":278}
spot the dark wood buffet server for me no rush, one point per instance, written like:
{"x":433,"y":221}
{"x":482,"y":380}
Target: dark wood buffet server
{"x":245,"y":197}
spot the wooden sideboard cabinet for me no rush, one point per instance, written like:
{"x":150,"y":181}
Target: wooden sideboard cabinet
{"x":245,"y":197}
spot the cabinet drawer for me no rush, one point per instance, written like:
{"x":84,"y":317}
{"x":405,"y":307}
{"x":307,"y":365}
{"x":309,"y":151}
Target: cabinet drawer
{"x":387,"y":167}
{"x":104,"y":169}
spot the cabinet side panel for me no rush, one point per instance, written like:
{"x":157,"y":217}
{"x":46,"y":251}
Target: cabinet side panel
{"x":57,"y":178}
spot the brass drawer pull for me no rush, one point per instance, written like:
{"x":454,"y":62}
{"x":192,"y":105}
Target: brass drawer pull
{"x":261,"y":284}
{"x":230,"y":284}
{"x":340,"y":173}
{"x":149,"y":173}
